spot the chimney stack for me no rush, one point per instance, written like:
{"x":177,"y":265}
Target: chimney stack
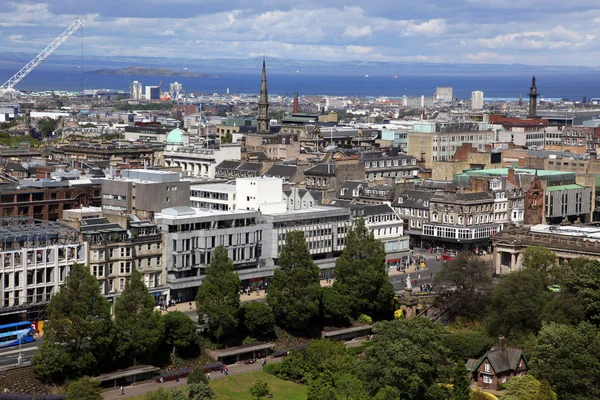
{"x":501,"y":343}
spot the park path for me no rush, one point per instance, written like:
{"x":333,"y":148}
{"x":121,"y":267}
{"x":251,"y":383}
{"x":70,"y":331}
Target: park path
{"x":143,"y":388}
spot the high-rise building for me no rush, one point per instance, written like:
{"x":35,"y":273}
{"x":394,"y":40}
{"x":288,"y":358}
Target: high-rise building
{"x":477,"y":100}
{"x":152,"y":93}
{"x":136,"y":90}
{"x":262,"y":121}
{"x":176,"y":90}
{"x":443,"y":93}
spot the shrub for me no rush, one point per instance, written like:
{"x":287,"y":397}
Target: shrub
{"x":271,"y":368}
{"x":365,"y":319}
{"x":197,"y":376}
{"x":259,"y":389}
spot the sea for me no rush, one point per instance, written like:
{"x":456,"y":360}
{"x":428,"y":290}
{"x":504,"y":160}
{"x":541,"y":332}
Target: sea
{"x":552,"y":85}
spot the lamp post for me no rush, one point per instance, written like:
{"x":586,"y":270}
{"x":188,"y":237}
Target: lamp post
{"x":20,"y":357}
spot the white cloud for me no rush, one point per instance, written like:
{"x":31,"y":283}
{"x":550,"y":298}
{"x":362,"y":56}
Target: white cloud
{"x":353,"y":31}
{"x":359,"y":49}
{"x":429,"y":28}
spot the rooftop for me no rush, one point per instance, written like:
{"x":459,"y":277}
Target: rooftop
{"x":563,"y":187}
{"x":504,"y":172}
{"x":33,"y":232}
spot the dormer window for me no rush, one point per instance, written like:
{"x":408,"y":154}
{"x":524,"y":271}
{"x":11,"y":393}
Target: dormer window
{"x":343,"y":192}
{"x":400,"y":200}
{"x":355,"y":193}
{"x":426,"y":203}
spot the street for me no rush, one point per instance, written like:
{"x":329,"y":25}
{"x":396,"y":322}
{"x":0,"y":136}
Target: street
{"x":9,"y":355}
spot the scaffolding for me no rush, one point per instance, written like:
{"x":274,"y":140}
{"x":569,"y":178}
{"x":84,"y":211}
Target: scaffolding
{"x":25,"y":232}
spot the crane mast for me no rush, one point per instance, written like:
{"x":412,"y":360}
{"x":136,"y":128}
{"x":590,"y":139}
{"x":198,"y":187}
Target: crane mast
{"x":8,"y":86}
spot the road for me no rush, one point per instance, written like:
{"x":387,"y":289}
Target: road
{"x":9,"y":355}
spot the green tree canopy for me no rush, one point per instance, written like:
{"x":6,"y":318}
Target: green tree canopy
{"x":295,"y":293}
{"x":258,"y":320}
{"x":407,"y":355}
{"x":84,"y":389}
{"x":465,"y":345}
{"x":360,"y":274}
{"x":517,"y":303}
{"x":219,"y":296}
{"x":583,"y":280}
{"x":388,"y":393}
{"x":538,"y":257}
{"x":259,"y":389}
{"x":46,"y":126}
{"x":461,"y":382}
{"x":527,"y":387}
{"x":78,"y":330}
{"x":201,"y":391}
{"x":568,"y":357}
{"x":463,"y":285}
{"x":197,"y":376}
{"x":180,"y":331}
{"x":139,"y":327}
{"x":337,"y":310}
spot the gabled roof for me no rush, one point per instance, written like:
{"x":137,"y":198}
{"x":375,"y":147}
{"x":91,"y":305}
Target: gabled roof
{"x":347,"y":189}
{"x":259,"y":155}
{"x":12,"y":166}
{"x":282,"y":171}
{"x":228,"y":164}
{"x":413,"y":199}
{"x":503,"y":359}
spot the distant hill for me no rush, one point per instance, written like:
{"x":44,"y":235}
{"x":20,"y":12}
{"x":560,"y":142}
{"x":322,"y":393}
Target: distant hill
{"x":147,"y":71}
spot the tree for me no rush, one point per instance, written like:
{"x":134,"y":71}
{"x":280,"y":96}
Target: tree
{"x":360,"y":274}
{"x":180,"y":331}
{"x":201,"y":391}
{"x":527,"y":387}
{"x":538,"y":257}
{"x":46,"y":126}
{"x":219,"y":296}
{"x":197,"y":376}
{"x":584,"y":282}
{"x":226,"y":138}
{"x":336,"y":307}
{"x":84,"y":389}
{"x":463,"y":286}
{"x":465,"y":345}
{"x":78,"y":330}
{"x":259,"y":389}
{"x":460,"y":380}
{"x":294,"y":295}
{"x":545,"y":392}
{"x":517,"y":303}
{"x":568,"y":357}
{"x":564,"y":308}
{"x":407,"y":355}
{"x":139,"y":327}
{"x":258,"y":320}
{"x":388,"y":393}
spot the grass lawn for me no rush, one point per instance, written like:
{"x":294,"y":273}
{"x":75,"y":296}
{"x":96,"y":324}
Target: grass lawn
{"x":237,"y":387}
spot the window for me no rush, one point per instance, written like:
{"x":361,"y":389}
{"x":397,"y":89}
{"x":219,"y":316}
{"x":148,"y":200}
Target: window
{"x":487,"y":367}
{"x":503,"y":379}
{"x":487,"y":379}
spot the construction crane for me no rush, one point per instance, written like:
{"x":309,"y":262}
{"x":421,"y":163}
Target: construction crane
{"x":8,"y":86}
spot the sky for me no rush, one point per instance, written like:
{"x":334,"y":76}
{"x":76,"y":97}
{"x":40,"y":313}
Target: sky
{"x":534,"y":32}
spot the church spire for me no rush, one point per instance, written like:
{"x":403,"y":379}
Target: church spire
{"x":262,"y":121}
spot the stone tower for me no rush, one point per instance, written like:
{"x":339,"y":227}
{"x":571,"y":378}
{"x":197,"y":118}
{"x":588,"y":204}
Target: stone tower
{"x":533,"y":94}
{"x":262,"y":121}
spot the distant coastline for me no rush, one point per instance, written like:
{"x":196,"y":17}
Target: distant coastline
{"x":147,"y":71}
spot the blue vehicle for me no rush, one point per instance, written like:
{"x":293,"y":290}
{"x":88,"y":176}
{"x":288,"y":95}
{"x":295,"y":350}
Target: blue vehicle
{"x":11,"y":334}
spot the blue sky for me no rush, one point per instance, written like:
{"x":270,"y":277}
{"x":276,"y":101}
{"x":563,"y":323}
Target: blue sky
{"x":549,"y":32}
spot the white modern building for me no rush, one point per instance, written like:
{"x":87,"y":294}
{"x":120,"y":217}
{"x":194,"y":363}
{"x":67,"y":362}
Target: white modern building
{"x":213,"y":196}
{"x":260,"y":194}
{"x":35,"y":258}
{"x":176,"y":90}
{"x":477,"y":100}
{"x":136,"y":91}
{"x":443,"y":93}
{"x":152,"y":92}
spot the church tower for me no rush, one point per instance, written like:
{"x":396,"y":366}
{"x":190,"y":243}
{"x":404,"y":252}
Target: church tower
{"x":533,"y":94}
{"x":262,"y":121}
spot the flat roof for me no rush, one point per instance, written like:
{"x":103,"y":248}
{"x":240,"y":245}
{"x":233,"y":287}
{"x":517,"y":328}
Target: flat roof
{"x":563,"y":187}
{"x":504,"y":172}
{"x":312,"y":210}
{"x":214,"y":187}
{"x":138,"y":369}
{"x":232,"y":351}
{"x":183,"y":213}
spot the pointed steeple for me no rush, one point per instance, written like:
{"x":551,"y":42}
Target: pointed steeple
{"x":262,"y":121}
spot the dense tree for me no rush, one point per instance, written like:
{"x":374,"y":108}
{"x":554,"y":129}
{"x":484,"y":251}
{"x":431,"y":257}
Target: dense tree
{"x":139,"y":328}
{"x":84,"y":389}
{"x":360,"y":274}
{"x":46,"y":126}
{"x":465,"y":345}
{"x":197,"y":376}
{"x":517,"y":303}
{"x":460,"y":382}
{"x":258,"y":320}
{"x":583,"y":280}
{"x":527,"y":387}
{"x":564,"y":308}
{"x":201,"y":391}
{"x":568,"y":357}
{"x":336,"y":307}
{"x":388,"y":393}
{"x":163,"y":394}
{"x":295,"y":293}
{"x":78,"y":330}
{"x":219,"y":296}
{"x":538,"y":257}
{"x":259,"y":389}
{"x":463,"y":286}
{"x":407,"y":355}
{"x":180,"y":331}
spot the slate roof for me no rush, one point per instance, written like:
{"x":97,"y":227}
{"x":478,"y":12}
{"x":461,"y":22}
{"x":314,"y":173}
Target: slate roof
{"x":349,"y":186}
{"x":437,"y":185}
{"x":259,"y":155}
{"x":502,"y":359}
{"x":446,"y":197}
{"x":228,"y":164}
{"x":282,"y":171}
{"x":413,"y":199}
{"x":11,"y":166}
{"x":323,"y":169}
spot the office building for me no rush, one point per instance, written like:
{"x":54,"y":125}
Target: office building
{"x":477,"y":100}
{"x":176,"y":91}
{"x":443,"y":93}
{"x":152,"y":93}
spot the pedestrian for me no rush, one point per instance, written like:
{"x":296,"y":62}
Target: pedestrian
{"x":177,"y":378}
{"x":190,"y":305}
{"x":262,"y":362}
{"x":122,"y":391}
{"x":419,"y":276}
{"x":208,"y":376}
{"x":432,"y":274}
{"x":162,"y":379}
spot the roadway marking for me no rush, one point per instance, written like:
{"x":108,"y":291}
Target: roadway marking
{"x":27,"y":349}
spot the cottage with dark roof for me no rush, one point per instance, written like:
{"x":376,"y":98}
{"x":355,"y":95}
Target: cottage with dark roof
{"x":498,"y":365}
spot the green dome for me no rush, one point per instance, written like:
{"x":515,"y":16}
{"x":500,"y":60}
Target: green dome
{"x":175,"y":136}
